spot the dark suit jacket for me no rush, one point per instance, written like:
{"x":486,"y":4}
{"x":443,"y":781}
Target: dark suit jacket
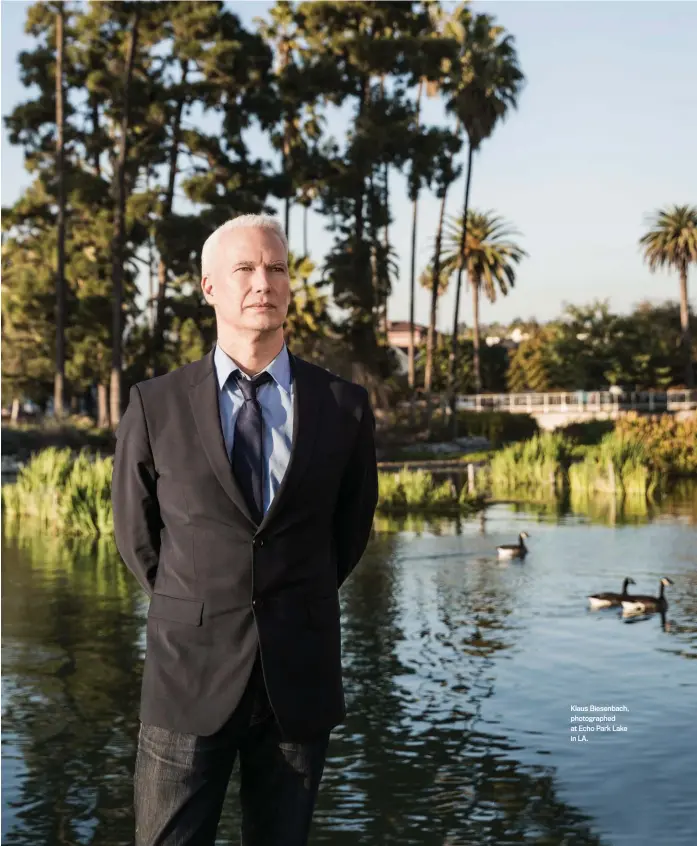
{"x":220,"y":585}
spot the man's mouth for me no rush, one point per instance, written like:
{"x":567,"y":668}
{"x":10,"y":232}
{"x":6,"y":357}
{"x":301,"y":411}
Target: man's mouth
{"x":262,"y":307}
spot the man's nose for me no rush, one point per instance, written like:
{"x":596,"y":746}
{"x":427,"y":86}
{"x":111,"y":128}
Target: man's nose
{"x":262,"y":279}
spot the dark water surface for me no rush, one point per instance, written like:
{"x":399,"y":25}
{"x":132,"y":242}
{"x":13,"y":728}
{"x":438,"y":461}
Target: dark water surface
{"x":460,"y":676}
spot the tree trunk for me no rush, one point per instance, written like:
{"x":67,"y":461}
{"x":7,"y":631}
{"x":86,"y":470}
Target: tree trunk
{"x":102,"y":406}
{"x":452,"y":363}
{"x":119,"y":225}
{"x":59,"y":377}
{"x":363,"y":341}
{"x":374,"y":270}
{"x":14,"y":414}
{"x":412,"y":285}
{"x":685,"y":327}
{"x":430,"y":343}
{"x":412,"y":275}
{"x":162,"y":267}
{"x":475,"y":336}
{"x":386,"y":244}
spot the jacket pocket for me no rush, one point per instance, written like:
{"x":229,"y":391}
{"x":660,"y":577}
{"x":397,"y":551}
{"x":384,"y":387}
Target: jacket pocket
{"x":189,"y":611}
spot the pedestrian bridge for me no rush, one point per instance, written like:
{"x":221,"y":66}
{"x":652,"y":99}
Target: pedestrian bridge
{"x":552,"y":410}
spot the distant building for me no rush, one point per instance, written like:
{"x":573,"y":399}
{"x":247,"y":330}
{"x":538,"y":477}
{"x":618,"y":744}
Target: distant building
{"x":398,"y":334}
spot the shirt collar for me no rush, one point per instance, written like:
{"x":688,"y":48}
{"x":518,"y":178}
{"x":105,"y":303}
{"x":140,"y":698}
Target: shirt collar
{"x":279,"y":368}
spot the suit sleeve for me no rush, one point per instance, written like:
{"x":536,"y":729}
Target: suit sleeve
{"x":358,"y":497}
{"x":134,"y":495}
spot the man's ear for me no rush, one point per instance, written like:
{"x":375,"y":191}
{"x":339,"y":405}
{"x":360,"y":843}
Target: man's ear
{"x":207,"y":288}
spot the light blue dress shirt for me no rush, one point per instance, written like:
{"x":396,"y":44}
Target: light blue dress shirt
{"x":276,"y":401}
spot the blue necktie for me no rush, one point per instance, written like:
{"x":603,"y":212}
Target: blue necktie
{"x":247,"y":444}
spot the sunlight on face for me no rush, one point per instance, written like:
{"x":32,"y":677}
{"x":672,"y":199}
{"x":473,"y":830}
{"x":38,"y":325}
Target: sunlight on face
{"x":249,"y":285}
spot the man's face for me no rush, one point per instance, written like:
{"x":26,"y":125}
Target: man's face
{"x":248,"y":283}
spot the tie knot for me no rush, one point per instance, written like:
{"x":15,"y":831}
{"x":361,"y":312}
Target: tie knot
{"x":249,"y":387}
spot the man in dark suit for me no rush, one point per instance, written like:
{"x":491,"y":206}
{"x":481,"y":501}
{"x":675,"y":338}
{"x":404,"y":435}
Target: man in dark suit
{"x":244,"y":489}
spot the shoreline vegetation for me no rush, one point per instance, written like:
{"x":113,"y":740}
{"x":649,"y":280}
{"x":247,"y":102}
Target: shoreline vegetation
{"x":640,"y":458}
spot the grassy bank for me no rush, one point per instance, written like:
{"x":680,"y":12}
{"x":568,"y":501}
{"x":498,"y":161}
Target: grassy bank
{"x":638,"y":457}
{"x":71,"y":493}
{"x":418,"y":490}
{"x":60,"y":491}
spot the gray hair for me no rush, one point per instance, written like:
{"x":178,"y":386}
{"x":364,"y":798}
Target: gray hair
{"x":249,"y":221}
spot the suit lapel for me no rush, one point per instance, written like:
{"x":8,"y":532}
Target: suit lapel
{"x":307,"y":409}
{"x":203,"y":396}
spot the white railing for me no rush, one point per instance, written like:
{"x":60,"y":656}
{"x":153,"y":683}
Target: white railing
{"x":577,"y":401}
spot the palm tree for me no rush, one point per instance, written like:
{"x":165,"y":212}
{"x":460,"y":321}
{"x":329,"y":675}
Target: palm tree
{"x":672,"y":242}
{"x":489,"y":258}
{"x":488,"y":89}
{"x":426,"y":282}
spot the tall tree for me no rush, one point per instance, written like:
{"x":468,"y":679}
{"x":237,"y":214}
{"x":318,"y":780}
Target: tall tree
{"x":426,"y":282}
{"x":348,"y":46}
{"x":672,"y":242}
{"x":487,"y":89}
{"x":431,"y":152}
{"x":489,"y":258}
{"x":283,"y":34}
{"x":60,"y":179}
{"x":119,"y":225}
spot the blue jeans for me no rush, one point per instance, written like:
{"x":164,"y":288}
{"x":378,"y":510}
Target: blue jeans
{"x":181,"y":779}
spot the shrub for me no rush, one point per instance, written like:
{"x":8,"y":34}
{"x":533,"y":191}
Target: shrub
{"x":670,"y":444}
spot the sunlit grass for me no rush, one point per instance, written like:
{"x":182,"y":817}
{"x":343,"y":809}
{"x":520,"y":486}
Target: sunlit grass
{"x":418,"y":489}
{"x":62,"y":492}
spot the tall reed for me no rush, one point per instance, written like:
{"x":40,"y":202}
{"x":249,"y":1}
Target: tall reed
{"x":618,"y":465}
{"x":62,"y":492}
{"x":418,"y":489}
{"x":539,"y":462}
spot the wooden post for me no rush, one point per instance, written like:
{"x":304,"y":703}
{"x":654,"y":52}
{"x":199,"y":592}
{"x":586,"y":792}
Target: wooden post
{"x":470,"y":479}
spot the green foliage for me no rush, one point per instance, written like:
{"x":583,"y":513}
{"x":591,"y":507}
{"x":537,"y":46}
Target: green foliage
{"x":417,"y":489}
{"x":590,"y":348}
{"x":493,"y":362}
{"x":534,"y":364}
{"x":61,"y":492}
{"x":541,"y":461}
{"x":498,"y":427}
{"x":669,"y":443}
{"x":589,"y":433}
{"x":618,"y":465}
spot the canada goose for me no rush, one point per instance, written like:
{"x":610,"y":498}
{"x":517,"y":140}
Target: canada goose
{"x":514,"y":550}
{"x":609,"y":599}
{"x":639,"y":604}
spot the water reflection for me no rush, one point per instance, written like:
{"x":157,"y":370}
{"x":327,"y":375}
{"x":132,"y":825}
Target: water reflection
{"x":679,"y":504}
{"x":440,"y":645}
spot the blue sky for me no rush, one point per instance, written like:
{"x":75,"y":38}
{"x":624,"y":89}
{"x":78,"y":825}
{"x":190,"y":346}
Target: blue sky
{"x":605,"y":133}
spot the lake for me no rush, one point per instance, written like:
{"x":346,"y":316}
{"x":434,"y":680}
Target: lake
{"x":462,"y":674}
